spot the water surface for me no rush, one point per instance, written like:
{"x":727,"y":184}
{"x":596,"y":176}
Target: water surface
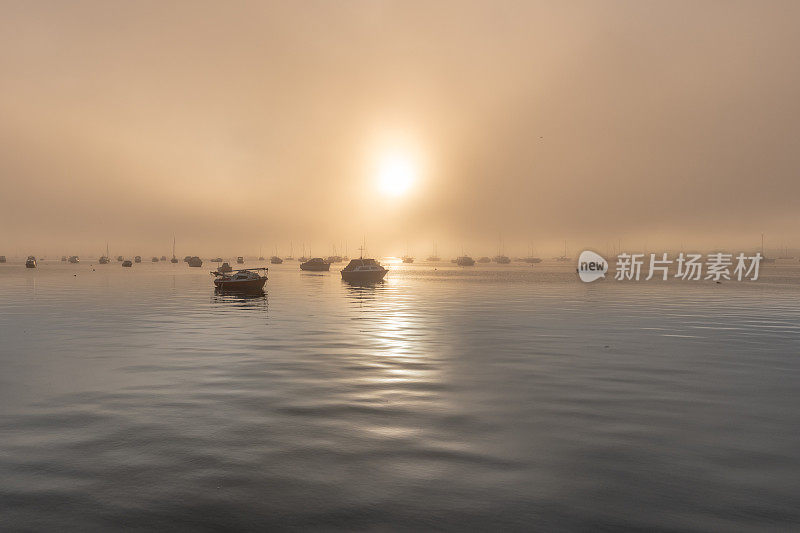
{"x":512,"y":398}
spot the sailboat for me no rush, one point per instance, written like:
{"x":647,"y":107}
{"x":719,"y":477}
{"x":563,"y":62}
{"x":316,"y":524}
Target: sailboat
{"x":764,"y":258}
{"x":564,"y":257}
{"x":435,"y":257}
{"x":174,"y":259}
{"x":408,"y":258}
{"x":105,"y":259}
{"x":501,"y":258}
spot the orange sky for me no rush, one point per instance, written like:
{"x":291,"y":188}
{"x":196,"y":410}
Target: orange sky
{"x":246,"y":124}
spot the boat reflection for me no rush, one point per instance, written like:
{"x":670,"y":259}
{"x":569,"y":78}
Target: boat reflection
{"x":241,"y":298}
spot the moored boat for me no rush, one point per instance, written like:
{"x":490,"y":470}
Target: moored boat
{"x":244,"y":280}
{"x":275,"y":260}
{"x":195,"y":261}
{"x":465,"y":260}
{"x":137,"y":259}
{"x":316,"y":264}
{"x":30,"y":262}
{"x":127,"y":263}
{"x":240,"y":260}
{"x":74,"y":259}
{"x":363,"y":270}
{"x":224,"y":268}
{"x":154,"y":259}
{"x":484,"y":259}
{"x":2,"y":259}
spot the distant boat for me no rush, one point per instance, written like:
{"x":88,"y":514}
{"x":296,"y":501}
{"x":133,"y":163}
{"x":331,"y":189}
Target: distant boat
{"x":564,"y":257}
{"x":2,"y":259}
{"x":195,"y":261}
{"x":154,"y":259}
{"x":174,"y":259}
{"x":408,"y":259}
{"x":531,"y":260}
{"x":501,"y":258}
{"x":127,"y":263}
{"x":434,"y":257}
{"x":334,"y":259}
{"x":465,"y":260}
{"x":137,"y":259}
{"x":275,"y":260}
{"x":74,"y":259}
{"x":64,"y":258}
{"x":240,"y":260}
{"x":764,"y":258}
{"x":225,"y":267}
{"x":217,"y":260}
{"x":104,"y":259}
{"x":484,"y":259}
{"x":316,"y":264}
{"x":187,"y":258}
{"x":363,"y":271}
{"x":30,"y":262}
{"x":120,"y":258}
{"x":163,"y":257}
{"x":245,"y":280}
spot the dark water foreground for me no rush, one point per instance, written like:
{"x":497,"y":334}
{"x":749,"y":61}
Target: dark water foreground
{"x":511,"y":398}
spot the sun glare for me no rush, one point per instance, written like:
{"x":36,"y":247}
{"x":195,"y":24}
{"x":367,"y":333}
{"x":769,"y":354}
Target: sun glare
{"x":396,"y":174}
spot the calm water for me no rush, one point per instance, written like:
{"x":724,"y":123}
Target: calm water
{"x":511,"y":398}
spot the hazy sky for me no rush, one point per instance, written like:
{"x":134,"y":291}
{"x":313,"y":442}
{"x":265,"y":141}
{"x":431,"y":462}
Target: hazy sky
{"x":236,"y":125}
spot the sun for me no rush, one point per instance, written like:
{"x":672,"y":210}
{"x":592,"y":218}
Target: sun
{"x":396,"y":174}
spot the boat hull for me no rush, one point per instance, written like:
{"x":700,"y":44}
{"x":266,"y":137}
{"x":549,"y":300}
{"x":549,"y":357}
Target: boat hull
{"x":316,"y":267}
{"x":249,"y":285}
{"x":363,"y":276}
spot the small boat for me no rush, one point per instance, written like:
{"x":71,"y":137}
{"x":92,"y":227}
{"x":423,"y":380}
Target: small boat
{"x":240,"y":260}
{"x":154,"y":259}
{"x":302,"y":259}
{"x":195,"y":261}
{"x":244,"y":280}
{"x":120,"y":258}
{"x":137,"y":259}
{"x":363,"y":270}
{"x":2,"y":259}
{"x":74,"y":259}
{"x":187,"y":258}
{"x":224,"y":268}
{"x":173,"y":260}
{"x":484,"y":259}
{"x":316,"y":264}
{"x":127,"y":263}
{"x":407,"y":259}
{"x":434,"y":259}
{"x":163,"y":257}
{"x":531,"y":260}
{"x":63,"y":258}
{"x":502,"y":259}
{"x":30,"y":262}
{"x":217,"y":260}
{"x":563,"y":258}
{"x":334,"y":259}
{"x":275,"y":260}
{"x":104,"y":259}
{"x":465,"y":260}
{"x":260,"y":257}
